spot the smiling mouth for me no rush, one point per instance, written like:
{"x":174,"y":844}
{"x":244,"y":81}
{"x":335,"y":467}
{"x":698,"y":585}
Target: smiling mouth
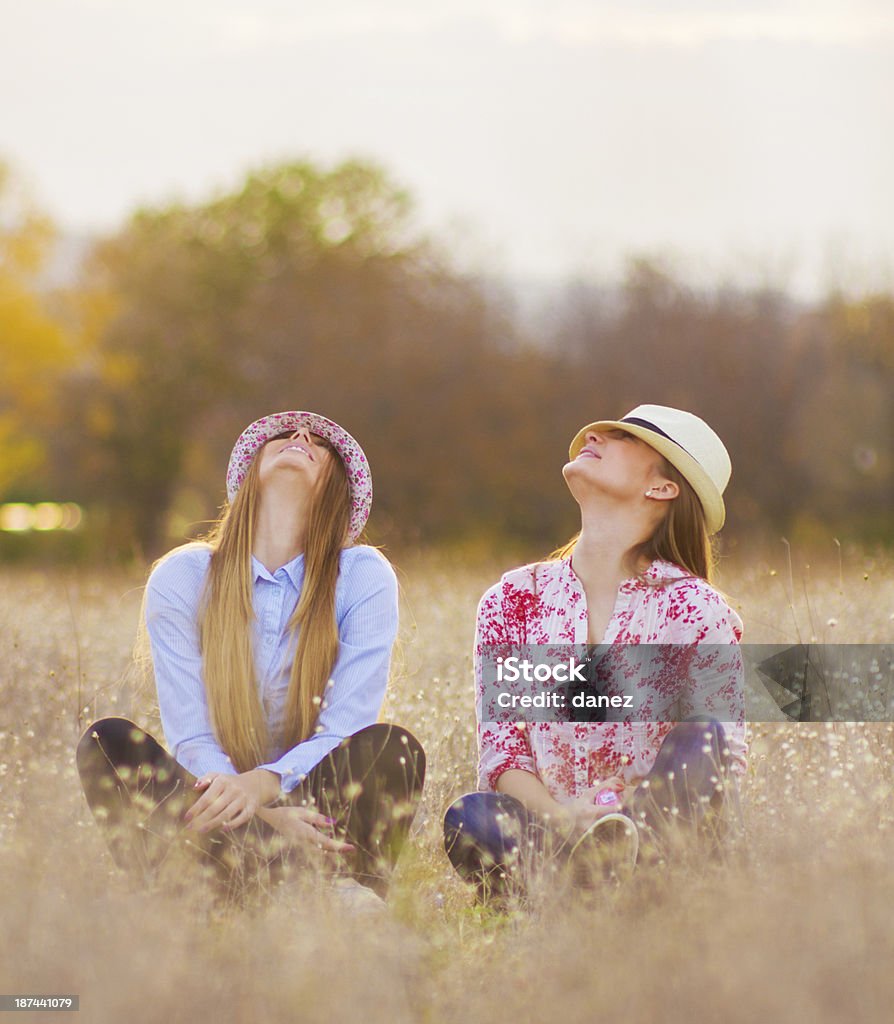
{"x":588,"y":453}
{"x":296,"y":448}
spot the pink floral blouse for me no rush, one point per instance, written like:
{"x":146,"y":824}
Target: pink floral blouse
{"x":544,"y":603}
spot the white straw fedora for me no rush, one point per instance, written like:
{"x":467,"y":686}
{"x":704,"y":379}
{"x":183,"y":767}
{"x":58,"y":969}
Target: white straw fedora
{"x":687,"y":442}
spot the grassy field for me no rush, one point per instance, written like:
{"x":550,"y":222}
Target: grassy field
{"x":803,"y":932}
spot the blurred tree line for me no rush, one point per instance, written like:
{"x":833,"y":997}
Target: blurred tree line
{"x":311,"y":288}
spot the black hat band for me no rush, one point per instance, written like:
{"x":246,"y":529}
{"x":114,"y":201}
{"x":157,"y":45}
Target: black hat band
{"x":655,"y":430}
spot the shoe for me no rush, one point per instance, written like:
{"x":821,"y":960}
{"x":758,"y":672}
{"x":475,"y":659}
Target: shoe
{"x":606,"y":852}
{"x":355,"y":898}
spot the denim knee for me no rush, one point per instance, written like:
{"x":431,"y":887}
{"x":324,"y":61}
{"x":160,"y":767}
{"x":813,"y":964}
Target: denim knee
{"x":492,"y":821}
{"x":462,"y":817}
{"x":704,"y":727}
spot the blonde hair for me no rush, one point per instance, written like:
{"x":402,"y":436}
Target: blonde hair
{"x":680,"y":537}
{"x":226,"y":615}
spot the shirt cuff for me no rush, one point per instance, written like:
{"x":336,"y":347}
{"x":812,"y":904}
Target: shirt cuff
{"x":288,"y":779}
{"x":198,"y":758}
{"x":295,"y":765}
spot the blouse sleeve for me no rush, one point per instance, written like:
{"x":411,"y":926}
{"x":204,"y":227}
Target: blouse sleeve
{"x":716,"y":680}
{"x":173,"y":593}
{"x":501,"y":745}
{"x":367,"y":627}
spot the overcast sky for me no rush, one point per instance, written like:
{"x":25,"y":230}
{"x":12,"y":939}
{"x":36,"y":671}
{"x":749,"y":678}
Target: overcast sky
{"x":750,"y":138}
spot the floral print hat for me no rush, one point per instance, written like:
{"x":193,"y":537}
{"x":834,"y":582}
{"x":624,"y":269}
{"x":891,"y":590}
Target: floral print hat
{"x":257,"y":434}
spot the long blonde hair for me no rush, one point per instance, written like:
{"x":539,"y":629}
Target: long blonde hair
{"x":680,"y":537}
{"x":226,"y":615}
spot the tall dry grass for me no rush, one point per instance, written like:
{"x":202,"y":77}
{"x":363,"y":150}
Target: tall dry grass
{"x":804,"y":931}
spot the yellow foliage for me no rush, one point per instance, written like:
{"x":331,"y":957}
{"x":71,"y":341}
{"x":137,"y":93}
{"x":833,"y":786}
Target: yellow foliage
{"x":33,"y":346}
{"x":93,"y":308}
{"x":100,"y":419}
{"x":121,"y":369}
{"x":19,"y":454}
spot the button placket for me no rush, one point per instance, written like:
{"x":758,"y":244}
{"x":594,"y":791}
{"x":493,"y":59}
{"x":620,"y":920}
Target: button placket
{"x":580,"y":760}
{"x":270,"y":626}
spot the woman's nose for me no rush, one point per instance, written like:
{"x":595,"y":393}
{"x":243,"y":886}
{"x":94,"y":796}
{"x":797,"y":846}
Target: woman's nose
{"x":593,"y":437}
{"x":302,"y":434}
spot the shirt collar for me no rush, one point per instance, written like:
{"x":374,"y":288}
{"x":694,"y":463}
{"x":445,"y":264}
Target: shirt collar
{"x":659,"y":571}
{"x":294,"y":570}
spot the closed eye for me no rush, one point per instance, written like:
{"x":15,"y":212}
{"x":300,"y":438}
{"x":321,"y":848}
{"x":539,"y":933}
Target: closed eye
{"x":321,"y":442}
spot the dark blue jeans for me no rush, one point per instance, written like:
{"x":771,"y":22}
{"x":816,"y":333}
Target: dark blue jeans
{"x":492,"y":839}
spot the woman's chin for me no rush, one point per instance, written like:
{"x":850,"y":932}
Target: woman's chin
{"x":576,"y":477}
{"x":571,"y":469}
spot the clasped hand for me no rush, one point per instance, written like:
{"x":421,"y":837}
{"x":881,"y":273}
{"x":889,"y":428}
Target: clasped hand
{"x":301,"y":826}
{"x":228,"y":801}
{"x":583,"y":811}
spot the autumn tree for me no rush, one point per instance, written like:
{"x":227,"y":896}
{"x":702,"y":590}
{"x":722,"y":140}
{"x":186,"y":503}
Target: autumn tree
{"x":312,"y":288}
{"x":304,"y":288}
{"x":862,"y":332}
{"x":33,"y":346}
{"x":729,"y":355}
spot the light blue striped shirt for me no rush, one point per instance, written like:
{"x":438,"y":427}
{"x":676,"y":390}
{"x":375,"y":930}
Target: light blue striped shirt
{"x":366,"y":613}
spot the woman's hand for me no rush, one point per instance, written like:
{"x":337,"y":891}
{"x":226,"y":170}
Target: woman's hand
{"x":301,"y":826}
{"x":583,"y":811}
{"x":229,"y":801}
{"x":571,"y":819}
{"x":616,"y":784}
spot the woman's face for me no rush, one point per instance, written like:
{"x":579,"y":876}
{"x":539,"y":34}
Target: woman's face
{"x":616,"y":463}
{"x":298,"y":455}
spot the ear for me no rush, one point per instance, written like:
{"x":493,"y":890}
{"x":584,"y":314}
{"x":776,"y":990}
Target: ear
{"x":667,"y":490}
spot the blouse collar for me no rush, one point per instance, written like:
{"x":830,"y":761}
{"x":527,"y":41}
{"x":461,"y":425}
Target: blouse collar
{"x":658,"y":571}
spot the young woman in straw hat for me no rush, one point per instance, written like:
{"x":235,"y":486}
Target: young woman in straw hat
{"x":270,"y":643}
{"x":650,"y":488}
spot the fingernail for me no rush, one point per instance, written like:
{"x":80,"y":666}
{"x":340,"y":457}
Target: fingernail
{"x":330,"y":821}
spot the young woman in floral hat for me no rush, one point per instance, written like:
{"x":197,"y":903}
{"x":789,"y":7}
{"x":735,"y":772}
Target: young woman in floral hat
{"x":270,"y":643}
